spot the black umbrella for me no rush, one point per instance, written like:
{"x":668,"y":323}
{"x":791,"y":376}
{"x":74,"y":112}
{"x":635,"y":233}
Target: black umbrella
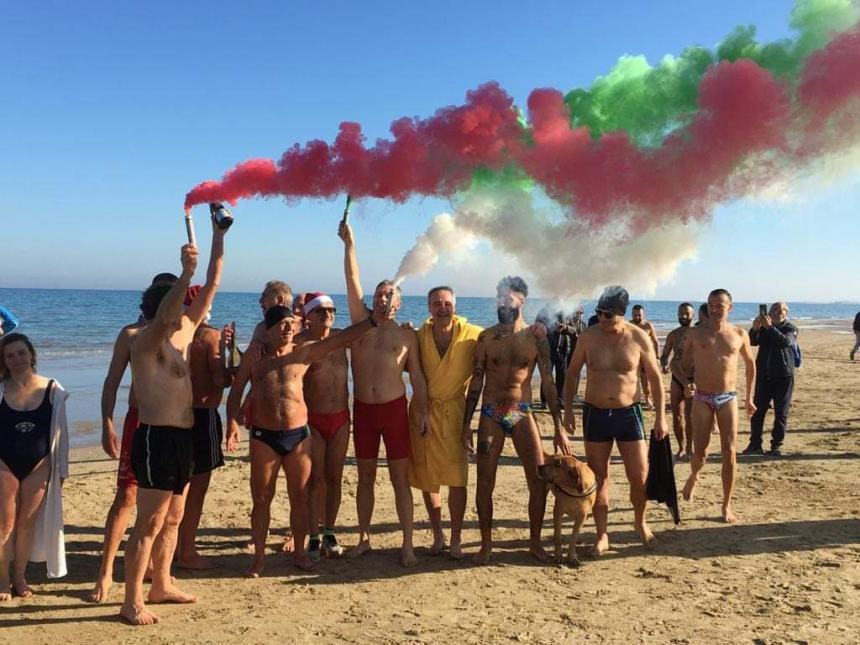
{"x":660,"y":486}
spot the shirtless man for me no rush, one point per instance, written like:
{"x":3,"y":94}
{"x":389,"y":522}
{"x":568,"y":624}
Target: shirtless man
{"x":209,"y":377}
{"x":280,"y":424}
{"x":504,"y":361}
{"x":710,"y":362}
{"x":638,"y":318}
{"x":327,"y":398}
{"x":162,"y":451}
{"x":681,"y":408}
{"x":126,"y":485}
{"x":615,"y":352}
{"x":378,"y":362}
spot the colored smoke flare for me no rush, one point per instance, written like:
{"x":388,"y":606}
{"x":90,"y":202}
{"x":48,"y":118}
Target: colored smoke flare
{"x":645,"y":146}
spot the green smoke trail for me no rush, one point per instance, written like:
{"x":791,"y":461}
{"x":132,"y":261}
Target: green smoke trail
{"x":647,"y":101}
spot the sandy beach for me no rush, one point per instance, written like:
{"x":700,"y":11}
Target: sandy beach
{"x":789,"y":572}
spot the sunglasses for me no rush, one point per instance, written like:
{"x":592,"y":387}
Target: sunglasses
{"x":327,"y":310}
{"x":601,"y":313}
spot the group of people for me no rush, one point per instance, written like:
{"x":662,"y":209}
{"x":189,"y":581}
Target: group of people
{"x":290,"y":390}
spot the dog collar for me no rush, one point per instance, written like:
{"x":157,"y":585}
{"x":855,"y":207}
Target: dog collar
{"x":586,"y":493}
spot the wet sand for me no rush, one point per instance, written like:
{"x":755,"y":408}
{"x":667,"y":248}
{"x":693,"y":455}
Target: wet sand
{"x":789,"y":572}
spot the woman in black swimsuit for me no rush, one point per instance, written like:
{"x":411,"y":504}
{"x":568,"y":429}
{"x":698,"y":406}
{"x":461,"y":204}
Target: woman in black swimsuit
{"x":25,"y":446}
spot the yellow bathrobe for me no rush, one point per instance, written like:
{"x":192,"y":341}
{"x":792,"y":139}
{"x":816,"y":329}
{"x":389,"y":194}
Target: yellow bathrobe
{"x":439,"y":459}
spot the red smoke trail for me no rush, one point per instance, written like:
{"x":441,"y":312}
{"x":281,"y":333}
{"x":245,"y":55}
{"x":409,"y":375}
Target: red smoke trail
{"x":748,"y":128}
{"x":434,"y":156}
{"x":742,"y":111}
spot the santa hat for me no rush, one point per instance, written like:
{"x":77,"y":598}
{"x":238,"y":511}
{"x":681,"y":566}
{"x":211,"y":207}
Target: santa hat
{"x":191,"y":293}
{"x":315,"y":300}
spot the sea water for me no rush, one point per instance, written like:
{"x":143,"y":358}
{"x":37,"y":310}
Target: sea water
{"x":74,"y":331}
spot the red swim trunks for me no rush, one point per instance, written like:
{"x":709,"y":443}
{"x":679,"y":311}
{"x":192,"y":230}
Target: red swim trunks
{"x":390,"y":421}
{"x":125,"y":474}
{"x":328,"y":424}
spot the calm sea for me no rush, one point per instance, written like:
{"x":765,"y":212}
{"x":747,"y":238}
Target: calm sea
{"x":74,"y":331}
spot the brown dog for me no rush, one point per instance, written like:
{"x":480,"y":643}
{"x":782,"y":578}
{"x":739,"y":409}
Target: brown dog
{"x":575,"y":489}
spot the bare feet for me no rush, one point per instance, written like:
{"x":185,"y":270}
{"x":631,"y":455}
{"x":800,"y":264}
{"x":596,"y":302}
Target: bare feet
{"x":303,"y":562}
{"x":407,"y":557}
{"x":289,"y":543}
{"x":101,"y":591}
{"x":482,"y":557}
{"x":170,"y":594}
{"x":689,"y":487}
{"x":646,"y":536}
{"x":681,"y":455}
{"x":539,"y":553}
{"x":438,"y":545}
{"x":256,"y":568}
{"x":728,"y":516}
{"x":195,"y":562}
{"x":359,"y":549}
{"x":137,"y":615}
{"x":5,"y":592}
{"x":22,"y":589}
{"x":456,"y":551}
{"x":600,"y":547}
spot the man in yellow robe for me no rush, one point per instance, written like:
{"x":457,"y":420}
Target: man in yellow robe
{"x":447,"y":346}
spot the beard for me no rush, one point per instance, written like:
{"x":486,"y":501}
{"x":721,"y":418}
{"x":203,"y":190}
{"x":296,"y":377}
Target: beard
{"x":685,"y":322}
{"x":507,"y":315}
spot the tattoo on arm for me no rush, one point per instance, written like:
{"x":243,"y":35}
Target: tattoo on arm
{"x":547,"y":383}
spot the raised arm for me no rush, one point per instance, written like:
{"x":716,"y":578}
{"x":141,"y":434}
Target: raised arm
{"x":355,"y":296}
{"x":170,"y":308}
{"x":8,"y":321}
{"x":548,"y":388}
{"x":749,"y":365}
{"x":118,"y":362}
{"x":571,"y":384}
{"x":418,"y":382}
{"x":203,"y":302}
{"x":473,"y":395}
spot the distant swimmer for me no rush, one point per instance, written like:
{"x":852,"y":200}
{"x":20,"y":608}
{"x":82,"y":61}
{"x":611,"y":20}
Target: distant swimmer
{"x":126,"y":484}
{"x":638,"y":318}
{"x":162,"y":452}
{"x":209,"y":376}
{"x":615,"y":352}
{"x":327,"y":397}
{"x":280,"y":430}
{"x":681,"y":407}
{"x":505,"y":357}
{"x":381,"y":410}
{"x":710,"y":361}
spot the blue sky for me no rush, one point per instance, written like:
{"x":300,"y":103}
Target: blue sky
{"x":110,"y":112}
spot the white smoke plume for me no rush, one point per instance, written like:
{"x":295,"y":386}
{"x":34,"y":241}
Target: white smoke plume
{"x":443,"y":236}
{"x":569,"y":260}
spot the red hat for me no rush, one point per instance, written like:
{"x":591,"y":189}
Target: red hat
{"x":315,"y":300}
{"x":191,"y":294}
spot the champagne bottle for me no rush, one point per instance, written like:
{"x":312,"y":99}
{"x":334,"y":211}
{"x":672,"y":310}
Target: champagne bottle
{"x":234,"y":358}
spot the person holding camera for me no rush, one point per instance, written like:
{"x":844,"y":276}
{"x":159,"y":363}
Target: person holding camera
{"x":776,"y":339}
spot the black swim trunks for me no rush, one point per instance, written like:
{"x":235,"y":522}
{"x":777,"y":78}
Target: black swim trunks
{"x":162,"y":457}
{"x":618,"y":424}
{"x":206,"y":436}
{"x":678,"y":383}
{"x":282,"y":442}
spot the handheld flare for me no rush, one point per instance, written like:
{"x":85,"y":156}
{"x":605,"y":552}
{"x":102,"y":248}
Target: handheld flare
{"x":189,"y":227}
{"x":346,"y":209}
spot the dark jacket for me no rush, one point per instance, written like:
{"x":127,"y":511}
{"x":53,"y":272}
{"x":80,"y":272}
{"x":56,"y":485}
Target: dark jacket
{"x":857,"y":323}
{"x":775,"y":358}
